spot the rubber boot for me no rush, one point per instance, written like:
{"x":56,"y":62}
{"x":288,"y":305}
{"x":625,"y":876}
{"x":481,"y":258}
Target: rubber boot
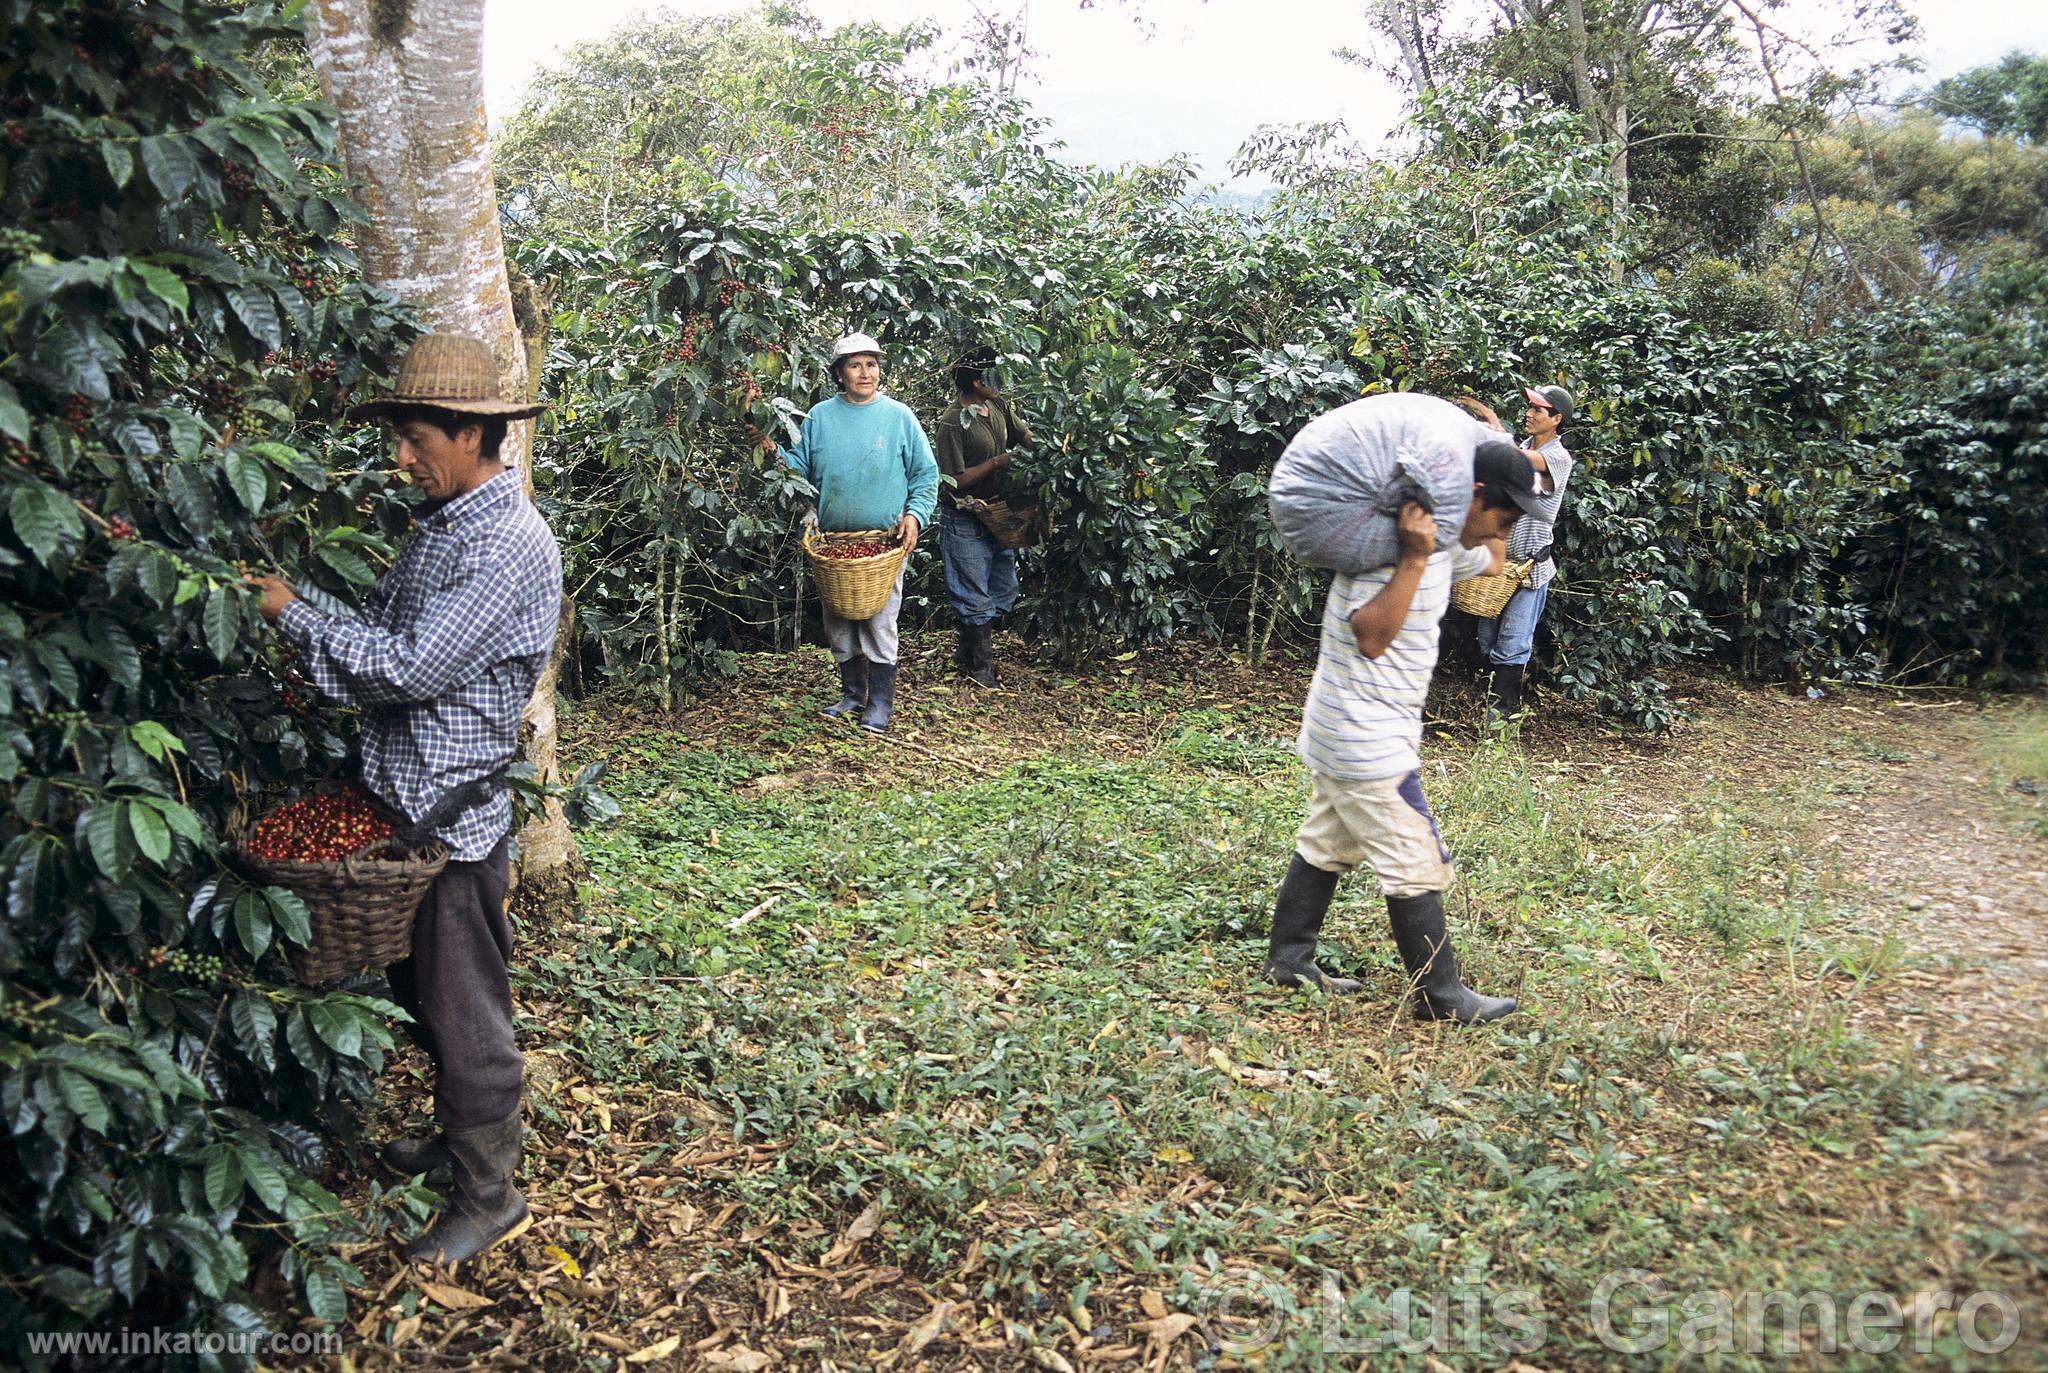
{"x":981,"y":648}
{"x":853,"y":688}
{"x":415,"y":1156}
{"x":1504,"y":693}
{"x":484,"y":1208}
{"x":1441,"y":994}
{"x":1297,"y":919}
{"x":881,"y":697}
{"x":963,"y":650}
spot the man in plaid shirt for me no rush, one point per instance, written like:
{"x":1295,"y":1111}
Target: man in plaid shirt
{"x":442,"y":666}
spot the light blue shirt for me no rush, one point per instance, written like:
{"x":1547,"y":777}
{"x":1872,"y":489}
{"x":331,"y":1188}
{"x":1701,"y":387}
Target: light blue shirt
{"x":871,"y":464}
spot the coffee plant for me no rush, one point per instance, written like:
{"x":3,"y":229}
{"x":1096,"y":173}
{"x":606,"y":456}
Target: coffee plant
{"x":1742,"y":493}
{"x":181,"y":324}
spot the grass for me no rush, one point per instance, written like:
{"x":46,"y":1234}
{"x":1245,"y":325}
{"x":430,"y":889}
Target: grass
{"x":1017,"y":1013}
{"x":2015,"y":753}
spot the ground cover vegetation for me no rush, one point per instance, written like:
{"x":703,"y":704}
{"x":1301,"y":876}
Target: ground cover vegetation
{"x":977,"y":1073}
{"x":1779,"y":472}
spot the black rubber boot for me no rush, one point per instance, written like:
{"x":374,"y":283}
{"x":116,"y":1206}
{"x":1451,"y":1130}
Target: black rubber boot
{"x":415,"y":1156}
{"x":981,"y":654}
{"x":1504,"y":692}
{"x":484,"y":1208}
{"x":1441,"y":994}
{"x":1297,"y":919}
{"x":853,"y":688}
{"x":881,"y":697}
{"x":963,"y":650}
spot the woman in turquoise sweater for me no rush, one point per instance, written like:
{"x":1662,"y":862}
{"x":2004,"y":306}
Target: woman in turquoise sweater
{"x":873,"y":469}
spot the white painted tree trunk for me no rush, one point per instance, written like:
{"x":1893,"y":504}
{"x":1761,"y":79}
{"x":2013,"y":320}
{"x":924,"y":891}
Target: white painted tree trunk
{"x":407,"y":77}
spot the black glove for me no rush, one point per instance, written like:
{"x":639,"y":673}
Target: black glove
{"x":412,"y":835}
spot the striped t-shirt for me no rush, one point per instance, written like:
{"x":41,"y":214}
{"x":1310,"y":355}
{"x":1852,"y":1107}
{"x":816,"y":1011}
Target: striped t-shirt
{"x":1363,"y":720}
{"x":1533,"y":533}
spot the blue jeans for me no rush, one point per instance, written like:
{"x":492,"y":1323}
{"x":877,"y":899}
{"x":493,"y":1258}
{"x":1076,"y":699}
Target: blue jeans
{"x":1510,"y":639}
{"x":981,"y":574}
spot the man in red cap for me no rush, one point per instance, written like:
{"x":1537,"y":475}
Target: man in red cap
{"x":1509,"y":640}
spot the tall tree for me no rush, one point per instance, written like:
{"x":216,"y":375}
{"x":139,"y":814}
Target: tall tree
{"x":1634,"y":69}
{"x":1659,"y":82}
{"x":2009,"y":98}
{"x":407,"y":78}
{"x":841,"y":126}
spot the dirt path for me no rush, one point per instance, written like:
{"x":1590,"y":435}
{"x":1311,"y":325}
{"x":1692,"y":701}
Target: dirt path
{"x":1952,"y":885}
{"x":1967,"y":890}
{"x":1946,"y":870}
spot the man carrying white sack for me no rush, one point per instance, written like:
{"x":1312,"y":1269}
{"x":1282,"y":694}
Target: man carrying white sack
{"x":1361,"y":729}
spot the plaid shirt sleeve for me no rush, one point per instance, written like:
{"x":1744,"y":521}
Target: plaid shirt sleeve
{"x":451,"y":640}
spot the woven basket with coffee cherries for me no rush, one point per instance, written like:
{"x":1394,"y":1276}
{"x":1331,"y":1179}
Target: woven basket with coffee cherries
{"x":855,"y":571}
{"x":331,"y":849}
{"x":1487,"y":597}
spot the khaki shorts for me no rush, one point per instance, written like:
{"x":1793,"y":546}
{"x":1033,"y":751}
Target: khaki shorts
{"x":1384,"y":825}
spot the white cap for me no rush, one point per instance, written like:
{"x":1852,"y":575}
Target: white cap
{"x":855,"y":343}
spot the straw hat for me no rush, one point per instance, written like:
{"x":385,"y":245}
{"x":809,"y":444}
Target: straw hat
{"x":448,"y":372}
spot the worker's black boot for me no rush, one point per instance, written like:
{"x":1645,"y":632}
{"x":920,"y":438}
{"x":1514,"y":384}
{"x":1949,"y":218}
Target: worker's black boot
{"x":484,"y":1208}
{"x":417,"y":1155}
{"x":853,"y":688}
{"x":1297,"y":920}
{"x":1504,"y":693}
{"x":1441,"y":994}
{"x":881,"y":697}
{"x":981,"y":655}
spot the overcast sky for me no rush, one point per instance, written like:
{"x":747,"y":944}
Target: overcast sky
{"x":1203,"y":77}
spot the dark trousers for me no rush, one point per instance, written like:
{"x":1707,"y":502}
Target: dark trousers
{"x":458,"y":986}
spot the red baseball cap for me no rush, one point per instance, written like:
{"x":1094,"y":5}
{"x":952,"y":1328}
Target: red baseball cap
{"x":1551,"y":398}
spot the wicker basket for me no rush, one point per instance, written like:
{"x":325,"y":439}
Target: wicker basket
{"x":854,"y":588}
{"x":360,"y":908}
{"x":1011,"y":528}
{"x":1487,"y":597}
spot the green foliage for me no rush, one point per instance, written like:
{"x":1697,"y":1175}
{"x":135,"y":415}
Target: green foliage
{"x":2009,"y":98}
{"x":830,"y":127}
{"x":1969,"y":512}
{"x":181,"y":319}
{"x":1907,"y":211}
{"x":1738,"y":488}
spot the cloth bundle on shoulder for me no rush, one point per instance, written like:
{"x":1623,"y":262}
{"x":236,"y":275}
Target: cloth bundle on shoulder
{"x":1337,"y":490}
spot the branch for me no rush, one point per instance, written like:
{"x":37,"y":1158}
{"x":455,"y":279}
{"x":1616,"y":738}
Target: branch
{"x":1820,"y":219}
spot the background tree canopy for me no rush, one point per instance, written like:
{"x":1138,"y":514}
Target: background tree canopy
{"x":1709,"y":241}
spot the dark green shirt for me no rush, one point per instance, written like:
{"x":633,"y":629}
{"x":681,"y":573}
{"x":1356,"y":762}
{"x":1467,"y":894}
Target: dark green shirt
{"x":968,"y":437}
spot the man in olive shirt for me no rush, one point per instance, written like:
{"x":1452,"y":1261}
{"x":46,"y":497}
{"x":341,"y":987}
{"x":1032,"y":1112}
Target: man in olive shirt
{"x":972,"y":443}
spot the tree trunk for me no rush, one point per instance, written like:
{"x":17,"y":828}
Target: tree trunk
{"x":1607,"y":120}
{"x":1401,"y":20}
{"x":407,"y":79}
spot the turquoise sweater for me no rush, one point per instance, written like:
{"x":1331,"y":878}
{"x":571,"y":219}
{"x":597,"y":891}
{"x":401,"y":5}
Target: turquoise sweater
{"x":870,"y":463}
